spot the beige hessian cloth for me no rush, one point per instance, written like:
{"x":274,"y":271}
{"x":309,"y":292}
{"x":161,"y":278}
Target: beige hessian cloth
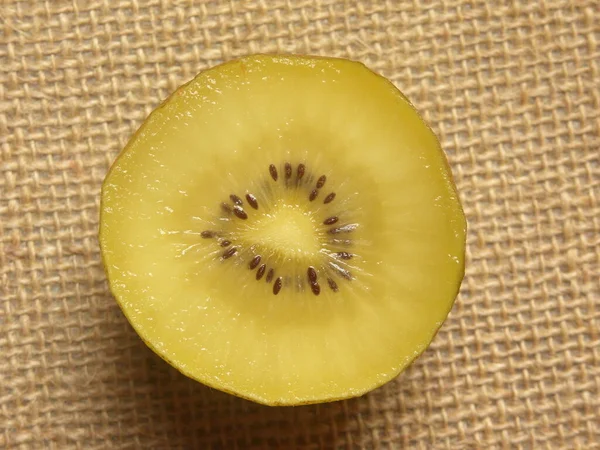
{"x":511,"y":88}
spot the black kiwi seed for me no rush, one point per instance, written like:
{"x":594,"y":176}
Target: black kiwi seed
{"x":301,"y":170}
{"x":273,"y":172}
{"x":229,"y":252}
{"x":315,"y":288}
{"x":329,"y":198}
{"x":270,"y":274}
{"x":261,"y":271}
{"x":288,"y":171}
{"x":252,"y":201}
{"x":343,"y":255}
{"x":255,"y":262}
{"x":312,"y":275}
{"x":313,"y":194}
{"x":321,"y":181}
{"x":236,"y":200}
{"x":332,"y":285}
{"x":225,"y":243}
{"x":239,"y":212}
{"x":277,"y":286}
{"x":208,"y":234}
{"x":344,"y":229}
{"x":330,"y":220}
{"x":341,"y":271}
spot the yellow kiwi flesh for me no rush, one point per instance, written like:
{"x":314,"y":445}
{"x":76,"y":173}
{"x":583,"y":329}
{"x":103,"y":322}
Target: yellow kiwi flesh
{"x":285,"y":229}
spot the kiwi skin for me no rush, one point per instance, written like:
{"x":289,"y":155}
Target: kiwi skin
{"x":257,"y":399}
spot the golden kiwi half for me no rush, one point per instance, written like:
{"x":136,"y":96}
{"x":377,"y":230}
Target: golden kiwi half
{"x":285,"y":229}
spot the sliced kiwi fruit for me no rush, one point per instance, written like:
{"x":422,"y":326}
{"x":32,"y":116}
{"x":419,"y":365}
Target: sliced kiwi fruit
{"x":285,"y":229}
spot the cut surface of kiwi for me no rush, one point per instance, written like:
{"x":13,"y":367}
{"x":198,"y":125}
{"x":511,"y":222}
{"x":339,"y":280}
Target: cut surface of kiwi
{"x":285,"y":229}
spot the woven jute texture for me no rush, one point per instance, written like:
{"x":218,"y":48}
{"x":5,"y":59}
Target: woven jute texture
{"x":512,"y":90}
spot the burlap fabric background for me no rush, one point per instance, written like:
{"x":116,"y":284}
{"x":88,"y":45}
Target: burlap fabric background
{"x":512,"y":91}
